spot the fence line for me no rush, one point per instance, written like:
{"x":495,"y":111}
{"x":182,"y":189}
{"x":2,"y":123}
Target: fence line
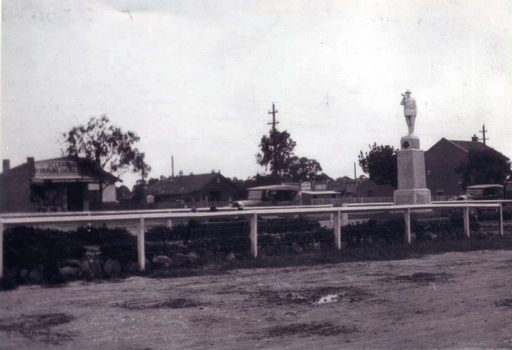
{"x":340,"y":218}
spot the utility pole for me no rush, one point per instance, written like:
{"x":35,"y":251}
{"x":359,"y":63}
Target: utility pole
{"x":273,"y":137}
{"x":274,"y":111}
{"x":483,"y":133}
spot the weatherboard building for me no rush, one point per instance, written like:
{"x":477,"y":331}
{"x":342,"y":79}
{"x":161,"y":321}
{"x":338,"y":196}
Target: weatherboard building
{"x":52,"y":185}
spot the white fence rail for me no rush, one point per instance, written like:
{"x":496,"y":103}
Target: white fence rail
{"x":340,"y":217}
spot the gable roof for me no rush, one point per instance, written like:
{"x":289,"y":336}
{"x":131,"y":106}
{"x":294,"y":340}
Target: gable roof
{"x":466,"y":146}
{"x":64,"y":167}
{"x":183,"y":184}
{"x":469,"y":145}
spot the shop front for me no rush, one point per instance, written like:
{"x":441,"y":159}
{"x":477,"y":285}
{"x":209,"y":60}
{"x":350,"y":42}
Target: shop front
{"x":52,"y":185}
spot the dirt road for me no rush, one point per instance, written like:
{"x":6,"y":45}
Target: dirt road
{"x":454,"y":300}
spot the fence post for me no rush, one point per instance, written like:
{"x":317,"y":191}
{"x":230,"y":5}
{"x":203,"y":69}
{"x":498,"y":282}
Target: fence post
{"x":344,"y":217}
{"x":501,"y":218}
{"x":140,"y":246}
{"x":169,"y":223}
{"x":254,"y":235}
{"x":466,"y":221}
{"x":407,"y":217}
{"x":1,"y":249}
{"x":337,"y":230}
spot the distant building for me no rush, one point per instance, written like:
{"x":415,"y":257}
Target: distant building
{"x":441,"y":160}
{"x":346,"y":186}
{"x":200,"y":189}
{"x":316,"y":193}
{"x":369,"y":189}
{"x":52,"y":185}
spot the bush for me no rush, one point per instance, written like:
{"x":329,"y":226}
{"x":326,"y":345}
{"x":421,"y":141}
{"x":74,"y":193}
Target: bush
{"x":30,"y":248}
{"x":225,"y":236}
{"x":115,"y":243}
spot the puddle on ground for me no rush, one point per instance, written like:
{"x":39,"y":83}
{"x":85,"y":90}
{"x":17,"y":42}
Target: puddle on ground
{"x":331,"y":298}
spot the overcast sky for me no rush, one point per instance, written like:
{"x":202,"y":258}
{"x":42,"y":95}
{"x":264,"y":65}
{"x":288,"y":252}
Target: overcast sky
{"x":196,"y":79}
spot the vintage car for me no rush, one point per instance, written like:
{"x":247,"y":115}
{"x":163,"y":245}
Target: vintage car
{"x":273,"y":195}
{"x":484,"y":192}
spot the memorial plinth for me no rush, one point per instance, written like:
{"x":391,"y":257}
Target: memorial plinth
{"x":412,"y":182}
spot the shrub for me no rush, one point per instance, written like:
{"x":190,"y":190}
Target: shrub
{"x":115,"y":243}
{"x":29,"y":247}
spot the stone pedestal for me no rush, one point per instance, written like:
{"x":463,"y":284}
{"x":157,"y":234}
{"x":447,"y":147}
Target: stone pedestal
{"x":412,"y":183}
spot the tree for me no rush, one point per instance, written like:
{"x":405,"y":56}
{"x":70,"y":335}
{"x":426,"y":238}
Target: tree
{"x":103,"y":150}
{"x":485,"y":166}
{"x":303,"y":169}
{"x":380,"y":163}
{"x":152,"y":181}
{"x":276,"y":152}
{"x":139,"y":191}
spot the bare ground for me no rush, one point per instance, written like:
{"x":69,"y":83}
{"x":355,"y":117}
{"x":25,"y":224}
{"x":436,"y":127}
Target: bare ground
{"x":454,"y":300}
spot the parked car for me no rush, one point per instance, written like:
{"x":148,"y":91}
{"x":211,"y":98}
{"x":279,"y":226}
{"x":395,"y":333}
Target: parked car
{"x":273,"y":195}
{"x":484,"y":192}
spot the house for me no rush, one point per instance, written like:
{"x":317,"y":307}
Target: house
{"x":346,"y":186}
{"x":441,"y":160}
{"x":200,"y":190}
{"x":53,"y":185}
{"x":369,"y":189}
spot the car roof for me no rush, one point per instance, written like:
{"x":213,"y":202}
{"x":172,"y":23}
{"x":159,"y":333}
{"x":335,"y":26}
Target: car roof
{"x":275,"y":188}
{"x":484,"y":186}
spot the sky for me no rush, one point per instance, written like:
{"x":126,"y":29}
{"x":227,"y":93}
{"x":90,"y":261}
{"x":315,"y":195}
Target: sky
{"x":196,"y":79}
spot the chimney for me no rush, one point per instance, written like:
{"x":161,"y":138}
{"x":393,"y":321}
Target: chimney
{"x":6,"y":166}
{"x":474,"y":138}
{"x":31,"y":165}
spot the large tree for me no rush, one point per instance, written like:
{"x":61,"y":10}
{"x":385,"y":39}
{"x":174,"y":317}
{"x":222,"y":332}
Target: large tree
{"x":485,"y":166}
{"x":303,"y":169}
{"x":103,"y":150}
{"x":276,"y":152}
{"x":380,"y":163}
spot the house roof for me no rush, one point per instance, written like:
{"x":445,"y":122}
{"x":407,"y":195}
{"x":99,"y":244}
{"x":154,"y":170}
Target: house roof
{"x":183,"y":184}
{"x":65,"y":168}
{"x":466,"y":146}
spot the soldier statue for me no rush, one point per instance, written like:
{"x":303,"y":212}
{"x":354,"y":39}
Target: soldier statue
{"x":409,"y":104}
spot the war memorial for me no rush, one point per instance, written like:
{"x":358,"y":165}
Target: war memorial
{"x":412,"y":183}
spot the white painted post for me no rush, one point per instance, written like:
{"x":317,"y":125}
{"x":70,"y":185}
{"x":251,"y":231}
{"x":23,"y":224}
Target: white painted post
{"x":254,"y":235}
{"x":1,"y":249}
{"x":169,"y":223}
{"x":466,"y":221}
{"x":337,"y":230}
{"x":344,"y":217}
{"x":501,"y":218}
{"x":407,"y":217}
{"x":140,"y":246}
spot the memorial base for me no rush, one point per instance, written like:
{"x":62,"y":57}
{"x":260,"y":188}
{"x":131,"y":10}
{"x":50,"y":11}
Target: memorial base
{"x":412,"y":196}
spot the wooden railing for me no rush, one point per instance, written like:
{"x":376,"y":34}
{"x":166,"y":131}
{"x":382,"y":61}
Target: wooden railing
{"x":339,"y":214}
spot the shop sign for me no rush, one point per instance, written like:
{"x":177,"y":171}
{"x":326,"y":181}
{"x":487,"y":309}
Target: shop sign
{"x":56,"y":170}
{"x":320,"y":187}
{"x":305,"y":186}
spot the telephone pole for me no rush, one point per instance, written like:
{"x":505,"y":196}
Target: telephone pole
{"x":274,"y":111}
{"x":273,"y":138}
{"x":483,"y":133}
